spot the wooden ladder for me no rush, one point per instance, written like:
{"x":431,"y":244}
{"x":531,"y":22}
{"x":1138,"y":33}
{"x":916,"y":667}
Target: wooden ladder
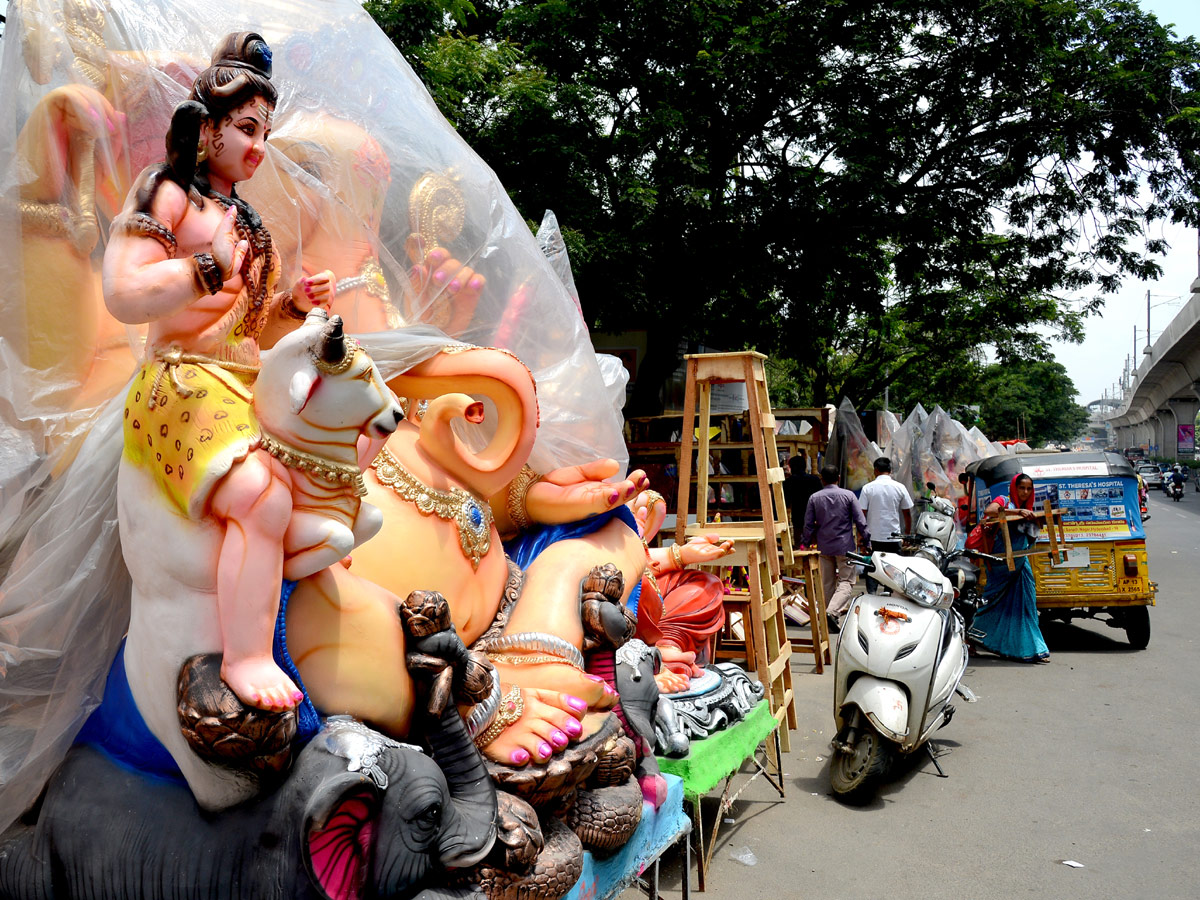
{"x":758,"y":544}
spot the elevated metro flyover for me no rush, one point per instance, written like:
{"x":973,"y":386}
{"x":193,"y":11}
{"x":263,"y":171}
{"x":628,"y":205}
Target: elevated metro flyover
{"x":1166,"y":389}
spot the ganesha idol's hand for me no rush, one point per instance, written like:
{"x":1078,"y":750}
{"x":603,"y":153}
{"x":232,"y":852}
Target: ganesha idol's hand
{"x":705,"y":549}
{"x":85,"y":109}
{"x":311,"y":291}
{"x":50,"y":145}
{"x":577,"y":492}
{"x":439,"y":271}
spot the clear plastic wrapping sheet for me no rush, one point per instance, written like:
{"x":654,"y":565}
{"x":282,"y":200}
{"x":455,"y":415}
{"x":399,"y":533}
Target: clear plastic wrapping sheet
{"x":904,"y":459}
{"x":362,"y":175}
{"x":858,"y":453}
{"x":888,"y":423}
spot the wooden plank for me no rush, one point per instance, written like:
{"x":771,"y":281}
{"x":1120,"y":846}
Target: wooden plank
{"x":685,"y":454}
{"x":781,"y":662}
{"x":719,"y":368}
{"x":1008,"y":550}
{"x":1050,"y":531}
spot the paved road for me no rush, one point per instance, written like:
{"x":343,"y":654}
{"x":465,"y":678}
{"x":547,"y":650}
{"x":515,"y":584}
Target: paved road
{"x":1091,"y":758}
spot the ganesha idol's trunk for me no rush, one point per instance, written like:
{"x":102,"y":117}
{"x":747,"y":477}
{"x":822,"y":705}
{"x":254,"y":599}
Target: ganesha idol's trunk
{"x":447,"y":380}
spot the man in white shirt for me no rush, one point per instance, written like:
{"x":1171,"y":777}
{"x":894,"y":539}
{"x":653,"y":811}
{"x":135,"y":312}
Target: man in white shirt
{"x":885,"y":502}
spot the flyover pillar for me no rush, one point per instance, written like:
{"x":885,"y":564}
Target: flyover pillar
{"x":1167,"y":433}
{"x":1185,"y":410}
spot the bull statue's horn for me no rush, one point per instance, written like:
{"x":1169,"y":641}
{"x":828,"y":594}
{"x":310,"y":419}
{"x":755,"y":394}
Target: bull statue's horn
{"x":334,"y":349}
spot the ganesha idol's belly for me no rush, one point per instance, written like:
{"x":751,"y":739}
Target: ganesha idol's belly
{"x":416,"y":552}
{"x":343,"y":630}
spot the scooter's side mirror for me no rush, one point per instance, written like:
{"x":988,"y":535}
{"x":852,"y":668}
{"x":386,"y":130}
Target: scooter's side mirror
{"x":963,"y":477}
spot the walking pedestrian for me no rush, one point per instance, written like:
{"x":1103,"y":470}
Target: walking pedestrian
{"x":832,"y":516}
{"x":798,"y":487}
{"x":886,"y":502}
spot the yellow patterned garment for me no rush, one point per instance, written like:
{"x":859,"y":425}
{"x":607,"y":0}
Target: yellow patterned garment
{"x":189,"y":443}
{"x":189,"y":440}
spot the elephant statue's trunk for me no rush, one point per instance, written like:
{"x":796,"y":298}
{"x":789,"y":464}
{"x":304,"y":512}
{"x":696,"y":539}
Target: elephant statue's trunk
{"x":470,"y":823}
{"x":469,"y":820}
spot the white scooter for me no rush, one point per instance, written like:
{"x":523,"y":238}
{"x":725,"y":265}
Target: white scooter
{"x":899,"y":660}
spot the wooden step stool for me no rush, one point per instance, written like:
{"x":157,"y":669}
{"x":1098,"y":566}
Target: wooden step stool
{"x":806,"y":576}
{"x":759,"y":544}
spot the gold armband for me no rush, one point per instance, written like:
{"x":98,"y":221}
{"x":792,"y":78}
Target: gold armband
{"x":677,"y":555}
{"x":517,"y":492}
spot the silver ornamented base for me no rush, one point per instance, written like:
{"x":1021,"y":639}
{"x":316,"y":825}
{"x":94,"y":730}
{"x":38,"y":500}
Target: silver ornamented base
{"x":719,"y":698}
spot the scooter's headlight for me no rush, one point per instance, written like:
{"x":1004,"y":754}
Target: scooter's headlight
{"x":922,"y":591}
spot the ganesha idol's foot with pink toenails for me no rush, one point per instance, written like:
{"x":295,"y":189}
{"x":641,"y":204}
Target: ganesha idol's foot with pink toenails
{"x":548,"y":723}
{"x":260,"y":683}
{"x":561,"y":678}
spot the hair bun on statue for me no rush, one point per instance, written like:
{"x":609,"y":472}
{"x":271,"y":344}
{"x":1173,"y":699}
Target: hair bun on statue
{"x":244,"y":50}
{"x":240,"y":70}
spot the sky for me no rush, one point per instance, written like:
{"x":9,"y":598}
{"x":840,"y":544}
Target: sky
{"x":1099,"y":361}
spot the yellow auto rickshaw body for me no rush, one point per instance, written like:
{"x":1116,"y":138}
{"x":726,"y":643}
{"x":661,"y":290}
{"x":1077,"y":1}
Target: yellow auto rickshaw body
{"x":1106,"y":565}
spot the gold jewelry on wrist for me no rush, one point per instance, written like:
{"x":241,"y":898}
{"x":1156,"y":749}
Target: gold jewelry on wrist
{"x":512,"y":706}
{"x":517,"y":492}
{"x":677,"y":555}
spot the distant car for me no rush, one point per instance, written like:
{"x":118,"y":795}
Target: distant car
{"x":1152,"y":475}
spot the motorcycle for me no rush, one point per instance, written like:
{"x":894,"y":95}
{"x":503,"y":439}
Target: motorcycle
{"x":899,"y":659}
{"x":1175,"y":490}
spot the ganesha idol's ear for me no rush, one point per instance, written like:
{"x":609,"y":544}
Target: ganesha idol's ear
{"x":339,"y":824}
{"x":301,"y":388}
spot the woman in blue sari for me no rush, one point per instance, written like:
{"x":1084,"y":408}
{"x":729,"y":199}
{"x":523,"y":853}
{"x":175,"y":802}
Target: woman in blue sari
{"x":1008,"y":622}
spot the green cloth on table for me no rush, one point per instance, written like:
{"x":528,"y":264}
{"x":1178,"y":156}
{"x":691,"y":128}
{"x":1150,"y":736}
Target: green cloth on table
{"x":721,"y":754}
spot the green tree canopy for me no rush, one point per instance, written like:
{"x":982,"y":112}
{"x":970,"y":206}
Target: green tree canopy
{"x":870,"y":190}
{"x":1033,"y":399}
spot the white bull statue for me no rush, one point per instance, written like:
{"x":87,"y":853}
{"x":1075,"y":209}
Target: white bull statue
{"x":315,"y":394}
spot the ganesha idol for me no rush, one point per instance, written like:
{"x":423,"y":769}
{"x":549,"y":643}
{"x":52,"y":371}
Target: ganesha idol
{"x":376,"y":474}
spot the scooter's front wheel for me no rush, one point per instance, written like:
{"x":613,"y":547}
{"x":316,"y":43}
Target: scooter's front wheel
{"x":856,"y":769}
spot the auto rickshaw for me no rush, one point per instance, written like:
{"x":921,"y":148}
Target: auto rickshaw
{"x":1104,"y":572}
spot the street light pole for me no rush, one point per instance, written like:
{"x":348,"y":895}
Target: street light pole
{"x":1147,"y":350}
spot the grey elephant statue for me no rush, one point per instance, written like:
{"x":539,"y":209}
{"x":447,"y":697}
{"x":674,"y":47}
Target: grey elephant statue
{"x":648,"y":711}
{"x":359,"y":815}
